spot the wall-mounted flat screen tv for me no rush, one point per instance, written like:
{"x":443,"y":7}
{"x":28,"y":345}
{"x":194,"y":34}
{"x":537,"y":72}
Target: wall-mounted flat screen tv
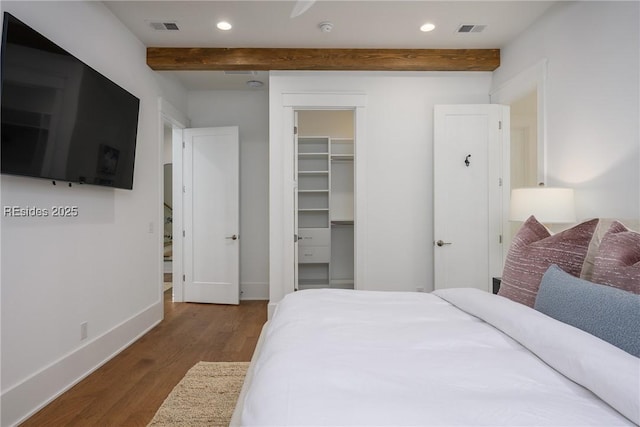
{"x":61,"y":119}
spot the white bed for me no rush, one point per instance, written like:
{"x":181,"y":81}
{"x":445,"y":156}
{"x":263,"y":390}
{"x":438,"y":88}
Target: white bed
{"x":450,"y":358}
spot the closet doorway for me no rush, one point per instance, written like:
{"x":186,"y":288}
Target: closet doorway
{"x":324,"y":199}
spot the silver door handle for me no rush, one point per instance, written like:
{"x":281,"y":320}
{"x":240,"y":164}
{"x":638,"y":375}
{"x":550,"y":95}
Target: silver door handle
{"x":441,"y":243}
{"x":234,"y":237}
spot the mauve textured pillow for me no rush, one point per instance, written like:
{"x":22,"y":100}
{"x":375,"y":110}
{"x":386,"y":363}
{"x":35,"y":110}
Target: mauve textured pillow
{"x":617,"y":262}
{"x":534,"y":249}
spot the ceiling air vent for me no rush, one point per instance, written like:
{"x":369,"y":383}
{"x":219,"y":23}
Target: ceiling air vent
{"x":241,"y":73}
{"x":471,"y":28}
{"x":163,"y":26}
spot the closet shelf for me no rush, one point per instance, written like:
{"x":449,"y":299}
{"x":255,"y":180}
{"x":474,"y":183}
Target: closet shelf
{"x":341,"y":283}
{"x":313,"y":155}
{"x":309,"y":283}
{"x":325,"y":173}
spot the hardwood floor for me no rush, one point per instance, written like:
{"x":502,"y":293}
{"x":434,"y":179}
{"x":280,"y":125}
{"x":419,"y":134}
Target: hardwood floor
{"x":128,"y":389}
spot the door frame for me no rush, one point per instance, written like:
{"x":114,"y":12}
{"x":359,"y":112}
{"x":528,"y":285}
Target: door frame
{"x":530,"y":79}
{"x":178,"y":121}
{"x":281,"y":184}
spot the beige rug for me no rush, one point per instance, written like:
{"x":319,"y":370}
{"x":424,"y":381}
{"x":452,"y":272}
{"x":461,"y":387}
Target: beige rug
{"x":206,"y":396}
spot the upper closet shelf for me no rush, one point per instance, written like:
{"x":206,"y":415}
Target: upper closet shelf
{"x":313,"y":155}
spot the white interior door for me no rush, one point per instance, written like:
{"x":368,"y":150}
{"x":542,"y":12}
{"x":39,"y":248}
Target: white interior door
{"x":211,"y":215}
{"x":468,"y":194}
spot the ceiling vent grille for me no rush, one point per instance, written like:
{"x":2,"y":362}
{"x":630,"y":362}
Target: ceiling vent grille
{"x":164,"y":26}
{"x":241,"y":73}
{"x":471,"y":28}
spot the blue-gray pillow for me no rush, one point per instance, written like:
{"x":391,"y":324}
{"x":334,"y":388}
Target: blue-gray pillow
{"x":611,"y":314}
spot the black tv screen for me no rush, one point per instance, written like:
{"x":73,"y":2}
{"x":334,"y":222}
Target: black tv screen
{"x":61,"y":119}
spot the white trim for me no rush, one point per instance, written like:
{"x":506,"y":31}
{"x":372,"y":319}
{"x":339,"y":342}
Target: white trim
{"x":332,"y":100}
{"x":505,"y":161}
{"x":178,"y":247}
{"x":281,"y":182}
{"x":172,"y":115}
{"x":24,"y":399}
{"x":178,"y":121}
{"x":360,"y":189}
{"x":288,"y":271}
{"x":533,"y":78}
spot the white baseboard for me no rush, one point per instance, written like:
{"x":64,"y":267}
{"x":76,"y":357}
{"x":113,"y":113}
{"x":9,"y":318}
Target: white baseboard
{"x":250,"y":291}
{"x":271,"y":308}
{"x":26,"y":398}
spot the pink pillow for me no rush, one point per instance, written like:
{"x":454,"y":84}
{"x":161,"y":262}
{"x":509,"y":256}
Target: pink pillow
{"x":617,"y":262}
{"x":534,"y":249}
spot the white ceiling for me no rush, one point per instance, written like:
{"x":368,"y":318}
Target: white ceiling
{"x":356,"y":24}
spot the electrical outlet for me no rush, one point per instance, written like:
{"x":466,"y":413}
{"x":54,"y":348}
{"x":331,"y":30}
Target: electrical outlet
{"x":83,"y":330}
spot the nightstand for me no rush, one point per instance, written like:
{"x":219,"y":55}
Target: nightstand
{"x":496,"y":284}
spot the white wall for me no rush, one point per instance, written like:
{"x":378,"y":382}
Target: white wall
{"x":399,"y":181}
{"x":250,"y":111}
{"x":592,"y":105}
{"x":102,"y":267}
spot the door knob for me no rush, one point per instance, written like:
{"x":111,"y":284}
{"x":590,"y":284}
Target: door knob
{"x":234,"y":237}
{"x":441,"y":243}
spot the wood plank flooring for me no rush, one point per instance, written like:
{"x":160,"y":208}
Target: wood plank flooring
{"x":128,"y":389}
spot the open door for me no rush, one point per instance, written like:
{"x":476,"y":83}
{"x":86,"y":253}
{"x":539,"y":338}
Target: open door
{"x":211,"y":215}
{"x":468,"y":194}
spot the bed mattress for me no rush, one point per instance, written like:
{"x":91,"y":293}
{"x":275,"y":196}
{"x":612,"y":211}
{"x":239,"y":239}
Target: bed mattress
{"x":453,"y":357}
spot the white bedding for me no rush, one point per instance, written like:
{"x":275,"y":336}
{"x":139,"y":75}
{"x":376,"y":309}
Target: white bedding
{"x":333,"y":357}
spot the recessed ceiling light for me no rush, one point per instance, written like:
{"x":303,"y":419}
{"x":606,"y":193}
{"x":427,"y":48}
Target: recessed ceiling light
{"x":427,"y":27}
{"x":325,"y":27}
{"x":223,"y":25}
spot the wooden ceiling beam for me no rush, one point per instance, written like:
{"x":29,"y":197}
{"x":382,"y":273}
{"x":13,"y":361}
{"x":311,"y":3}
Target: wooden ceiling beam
{"x":265,"y":59}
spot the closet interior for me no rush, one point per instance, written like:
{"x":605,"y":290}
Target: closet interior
{"x":325,"y":199}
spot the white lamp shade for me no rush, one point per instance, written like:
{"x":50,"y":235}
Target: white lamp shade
{"x":549,"y":205}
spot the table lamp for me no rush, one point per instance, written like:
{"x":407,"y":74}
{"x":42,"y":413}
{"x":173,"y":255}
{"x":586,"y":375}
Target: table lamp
{"x":549,"y":205}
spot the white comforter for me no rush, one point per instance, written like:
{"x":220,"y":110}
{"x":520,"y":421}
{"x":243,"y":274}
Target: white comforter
{"x":337,"y":358}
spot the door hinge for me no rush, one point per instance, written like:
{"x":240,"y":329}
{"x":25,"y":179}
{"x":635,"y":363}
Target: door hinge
{"x":500,"y":238}
{"x":184,"y":189}
{"x":184,"y":279}
{"x":500,"y":124}
{"x":183,"y":145}
{"x":295,"y":130}
{"x":184,"y":234}
{"x":295,"y":238}
{"x":499,"y":182}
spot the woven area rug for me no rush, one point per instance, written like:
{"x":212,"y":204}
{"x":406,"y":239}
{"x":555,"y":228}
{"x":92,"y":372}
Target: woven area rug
{"x":206,"y":396}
